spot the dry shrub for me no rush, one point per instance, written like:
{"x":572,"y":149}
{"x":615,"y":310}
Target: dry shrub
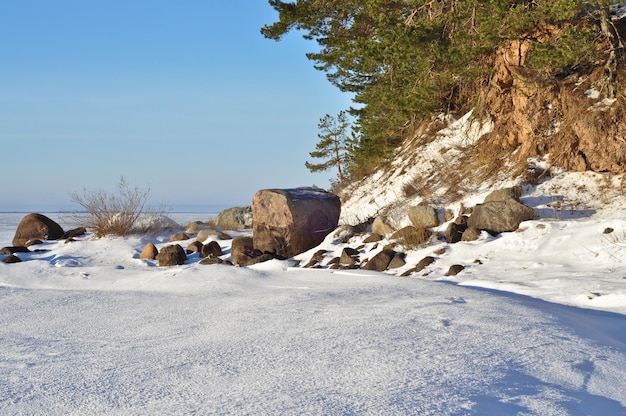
{"x":122,"y":213}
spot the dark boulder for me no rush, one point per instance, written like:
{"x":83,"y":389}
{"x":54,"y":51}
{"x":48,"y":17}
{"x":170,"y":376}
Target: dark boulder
{"x":37,"y":226}
{"x":211,"y":248}
{"x":243,"y":252}
{"x":11,"y":259}
{"x":75,"y":232}
{"x":194,"y":247}
{"x":454,"y":232}
{"x":455,"y":269}
{"x":14,"y":249}
{"x":380,"y":262}
{"x":173,"y":255}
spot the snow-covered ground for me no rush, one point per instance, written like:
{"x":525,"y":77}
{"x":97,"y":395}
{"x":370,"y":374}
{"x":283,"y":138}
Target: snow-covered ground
{"x":89,"y":328}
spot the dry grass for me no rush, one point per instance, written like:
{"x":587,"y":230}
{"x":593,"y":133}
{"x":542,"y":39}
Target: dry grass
{"x":122,"y":213}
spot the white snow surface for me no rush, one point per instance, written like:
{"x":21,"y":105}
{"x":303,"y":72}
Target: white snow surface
{"x":88,"y":328}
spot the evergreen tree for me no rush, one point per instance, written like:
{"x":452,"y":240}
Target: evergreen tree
{"x":335,"y":146}
{"x":404,"y":60}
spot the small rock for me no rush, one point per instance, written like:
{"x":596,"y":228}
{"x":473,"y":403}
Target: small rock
{"x":171,"y":256}
{"x":14,"y":249}
{"x":178,"y":237}
{"x":397,"y":261}
{"x":194,"y":247}
{"x":11,"y":259}
{"x":373,"y":238}
{"x":211,"y":248}
{"x":149,"y":252}
{"x":455,"y":269}
{"x":349,"y":256}
{"x":380,"y":261}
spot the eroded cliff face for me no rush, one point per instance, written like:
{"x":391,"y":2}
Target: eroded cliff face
{"x":575,"y":120}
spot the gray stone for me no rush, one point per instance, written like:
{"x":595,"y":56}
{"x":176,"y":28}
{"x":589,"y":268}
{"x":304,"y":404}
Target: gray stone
{"x":423,"y":216}
{"x":235,"y":218}
{"x":382,"y":226}
{"x":500,"y":216}
{"x":503,"y":194}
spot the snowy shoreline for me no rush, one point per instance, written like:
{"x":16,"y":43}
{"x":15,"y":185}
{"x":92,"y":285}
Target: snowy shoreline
{"x":89,"y":328}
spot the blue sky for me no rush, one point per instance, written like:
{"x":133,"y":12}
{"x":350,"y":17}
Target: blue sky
{"x":184,"y":97}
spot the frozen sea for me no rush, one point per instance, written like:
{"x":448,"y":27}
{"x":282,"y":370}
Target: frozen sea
{"x":10,"y":220}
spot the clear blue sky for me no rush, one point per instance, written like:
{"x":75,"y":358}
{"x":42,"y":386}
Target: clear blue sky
{"x":184,"y":97}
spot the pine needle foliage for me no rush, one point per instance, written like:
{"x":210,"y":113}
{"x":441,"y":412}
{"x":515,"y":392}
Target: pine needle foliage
{"x":405,"y":60}
{"x":335,"y":147}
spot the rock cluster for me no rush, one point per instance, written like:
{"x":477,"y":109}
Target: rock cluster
{"x":501,"y":211}
{"x":288,"y":222}
{"x":33,"y":230}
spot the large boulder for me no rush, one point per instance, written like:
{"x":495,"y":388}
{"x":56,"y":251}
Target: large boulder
{"x":235,"y":218}
{"x":500,"y":216}
{"x":37,"y":227}
{"x":290,"y":221}
{"x":423,"y":216}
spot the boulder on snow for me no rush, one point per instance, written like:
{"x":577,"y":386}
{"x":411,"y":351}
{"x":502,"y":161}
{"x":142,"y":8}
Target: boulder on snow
{"x":149,"y":252}
{"x":290,"y":221}
{"x":243,"y":253}
{"x":173,"y":255}
{"x":382,"y":226}
{"x":423,"y":216}
{"x":349,"y":256}
{"x":235,"y":218}
{"x":36,"y":226}
{"x":212,"y":248}
{"x":12,"y":258}
{"x":500,"y":216}
{"x":470,"y":234}
{"x":454,"y":232}
{"x":178,"y":237}
{"x":204,"y":235}
{"x":380,"y":262}
{"x":412,"y":236}
{"x":504,"y":194}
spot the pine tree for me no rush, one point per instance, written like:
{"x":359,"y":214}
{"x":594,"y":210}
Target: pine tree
{"x":335,"y":146}
{"x":404,"y":61}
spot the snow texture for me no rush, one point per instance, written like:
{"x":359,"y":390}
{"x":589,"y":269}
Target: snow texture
{"x":89,"y":328}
